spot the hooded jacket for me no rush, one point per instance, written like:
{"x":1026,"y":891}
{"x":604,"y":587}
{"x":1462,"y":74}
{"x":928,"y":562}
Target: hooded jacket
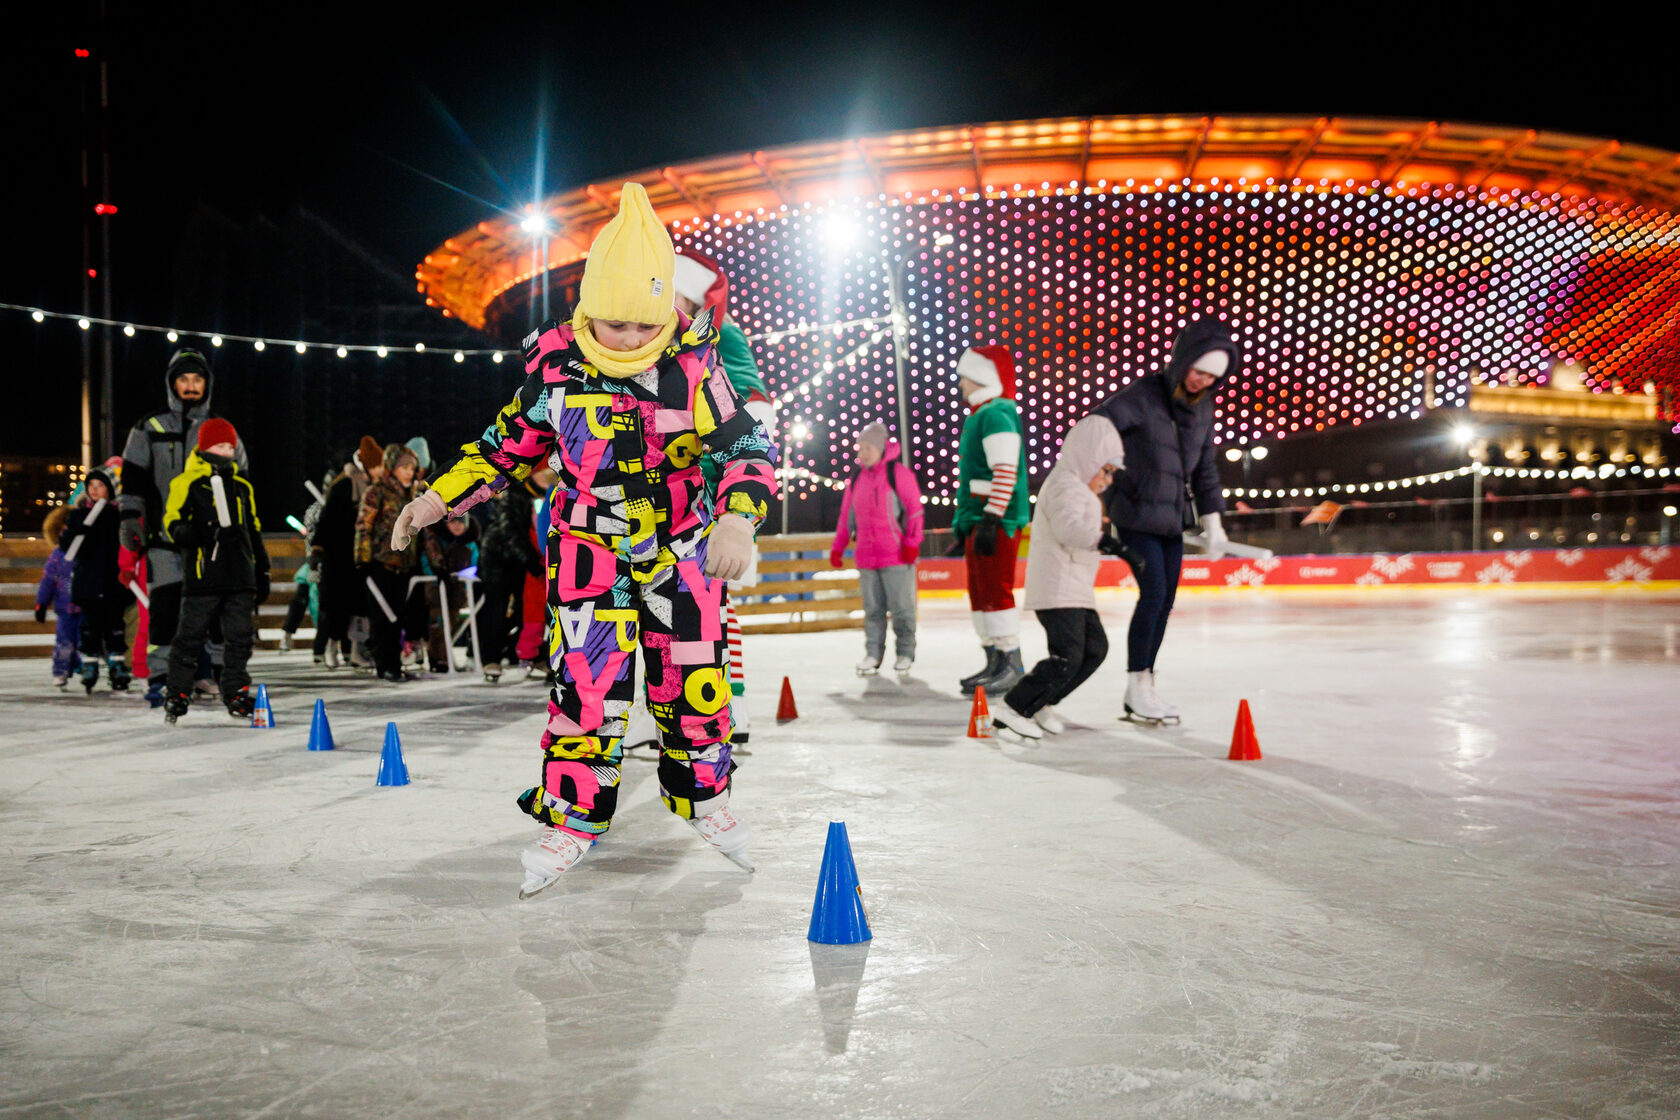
{"x":157,"y":450}
{"x":1062,"y":559}
{"x":1168,"y":439}
{"x":444,"y":553}
{"x":381,"y":504}
{"x":213,"y":562}
{"x":627,"y":449}
{"x":882,"y":510}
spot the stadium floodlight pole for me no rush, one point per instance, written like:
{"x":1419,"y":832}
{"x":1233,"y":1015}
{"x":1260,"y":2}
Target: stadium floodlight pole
{"x":1476,"y":505}
{"x":901,"y":343}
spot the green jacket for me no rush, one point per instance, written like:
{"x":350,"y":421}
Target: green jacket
{"x":996,"y":421}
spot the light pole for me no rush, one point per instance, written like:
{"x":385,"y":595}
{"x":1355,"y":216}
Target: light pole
{"x":1466,"y":436}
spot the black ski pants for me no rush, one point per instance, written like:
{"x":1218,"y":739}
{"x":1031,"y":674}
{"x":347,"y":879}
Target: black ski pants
{"x":236,"y":612}
{"x":1078,"y":644}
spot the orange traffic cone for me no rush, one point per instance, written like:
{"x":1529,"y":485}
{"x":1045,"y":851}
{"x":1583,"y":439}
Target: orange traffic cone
{"x":1244,"y":746}
{"x":979,"y":717}
{"x":786,"y":710}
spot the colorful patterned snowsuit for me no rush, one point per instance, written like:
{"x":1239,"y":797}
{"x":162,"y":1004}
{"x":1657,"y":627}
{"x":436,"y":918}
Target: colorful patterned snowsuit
{"x":626,"y":550}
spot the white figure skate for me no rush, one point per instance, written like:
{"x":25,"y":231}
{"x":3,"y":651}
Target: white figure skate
{"x":545,"y":861}
{"x":1142,"y":705}
{"x":869,"y":666}
{"x":1172,"y":712}
{"x":1017,"y":726}
{"x":902,"y":664}
{"x":727,"y":833}
{"x":1050,"y":719}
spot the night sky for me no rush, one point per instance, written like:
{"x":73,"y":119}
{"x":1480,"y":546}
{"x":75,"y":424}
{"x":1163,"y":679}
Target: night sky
{"x":400,"y":130}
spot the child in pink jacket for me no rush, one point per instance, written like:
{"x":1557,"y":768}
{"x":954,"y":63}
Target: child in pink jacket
{"x":882,"y":511}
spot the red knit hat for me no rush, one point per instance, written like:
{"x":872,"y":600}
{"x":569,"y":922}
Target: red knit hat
{"x":216,"y":430}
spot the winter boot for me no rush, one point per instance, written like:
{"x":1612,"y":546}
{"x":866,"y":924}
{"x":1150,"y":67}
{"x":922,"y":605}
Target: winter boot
{"x":869,"y":665}
{"x":90,"y":675}
{"x":176,"y":706}
{"x":727,"y":833}
{"x":993,"y":656}
{"x":1172,"y":712}
{"x":1020,"y":726}
{"x":1050,"y":719}
{"x":120,"y":675}
{"x":154,"y":694}
{"x":1142,"y":705}
{"x":240,"y":704}
{"x":554,"y":852}
{"x":1009,"y":671}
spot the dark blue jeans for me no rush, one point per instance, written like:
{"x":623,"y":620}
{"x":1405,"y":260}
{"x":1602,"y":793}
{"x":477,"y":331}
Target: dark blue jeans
{"x":1157,"y":588}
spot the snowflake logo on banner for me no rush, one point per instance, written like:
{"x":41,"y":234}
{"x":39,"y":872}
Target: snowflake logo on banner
{"x":1245,"y":576}
{"x":1654,"y":554}
{"x":1628,"y":571}
{"x":1569,"y":557}
{"x":1496,"y":573}
{"x":1517,"y":559}
{"x":1391,"y":567}
{"x":1268,"y":564}
{"x":1369,"y":579}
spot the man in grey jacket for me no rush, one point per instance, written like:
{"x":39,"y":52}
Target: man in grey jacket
{"x":157,"y":450}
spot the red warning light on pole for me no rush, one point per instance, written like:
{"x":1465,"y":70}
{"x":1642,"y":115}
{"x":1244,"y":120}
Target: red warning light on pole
{"x":83,"y":52}
{"x":104,"y":209}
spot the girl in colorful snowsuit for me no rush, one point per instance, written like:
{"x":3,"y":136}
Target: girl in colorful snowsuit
{"x":882,"y":511}
{"x":624,"y":401}
{"x":54,"y":592}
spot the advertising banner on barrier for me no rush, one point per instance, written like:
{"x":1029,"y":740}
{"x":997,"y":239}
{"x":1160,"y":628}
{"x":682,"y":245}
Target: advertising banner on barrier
{"x":1613,"y":567}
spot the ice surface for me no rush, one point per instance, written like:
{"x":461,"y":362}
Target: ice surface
{"x":1450,"y":888}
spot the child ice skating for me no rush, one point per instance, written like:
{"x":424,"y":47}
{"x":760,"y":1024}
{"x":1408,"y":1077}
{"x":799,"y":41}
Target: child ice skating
{"x":1068,"y":535}
{"x":627,"y":398}
{"x":90,"y":545}
{"x":211,"y":516}
{"x":54,"y":593}
{"x":882,"y":512}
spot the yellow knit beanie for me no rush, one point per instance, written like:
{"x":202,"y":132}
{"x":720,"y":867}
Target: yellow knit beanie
{"x":627,"y":277}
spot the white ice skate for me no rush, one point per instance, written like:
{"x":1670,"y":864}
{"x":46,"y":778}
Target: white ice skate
{"x":332,"y":654}
{"x":1050,"y":719}
{"x":1172,"y":712}
{"x":1019,"y":727}
{"x":727,"y":833}
{"x":869,"y":666}
{"x":1142,"y":705}
{"x":902,"y":664}
{"x":554,"y":852}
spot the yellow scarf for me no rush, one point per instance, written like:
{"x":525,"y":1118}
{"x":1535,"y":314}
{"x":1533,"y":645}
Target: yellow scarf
{"x":620,"y":363}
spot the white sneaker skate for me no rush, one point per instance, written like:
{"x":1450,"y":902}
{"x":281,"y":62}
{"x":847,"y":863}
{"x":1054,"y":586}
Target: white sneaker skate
{"x":1172,"y":712}
{"x":1050,"y":719}
{"x":727,"y":833}
{"x":869,"y":666}
{"x":1019,"y":726}
{"x":554,"y":852}
{"x":903,"y":663}
{"x":1142,"y":705}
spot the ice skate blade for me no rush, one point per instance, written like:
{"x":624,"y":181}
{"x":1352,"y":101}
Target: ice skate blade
{"x":1010,"y":735}
{"x":739,"y":859}
{"x":1149,"y":721}
{"x":528,"y":892}
{"x":868,"y":672}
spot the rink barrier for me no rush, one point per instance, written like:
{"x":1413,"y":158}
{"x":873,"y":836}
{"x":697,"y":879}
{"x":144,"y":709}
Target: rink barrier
{"x":797,"y":590}
{"x":1654,"y":568}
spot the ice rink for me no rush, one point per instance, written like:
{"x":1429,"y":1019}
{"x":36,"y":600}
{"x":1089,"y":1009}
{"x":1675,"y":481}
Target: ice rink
{"x":1451,"y":888}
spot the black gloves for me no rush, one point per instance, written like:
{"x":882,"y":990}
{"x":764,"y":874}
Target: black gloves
{"x":130,"y":536}
{"x":1111,"y":545}
{"x":40,"y":612}
{"x":984,"y":537}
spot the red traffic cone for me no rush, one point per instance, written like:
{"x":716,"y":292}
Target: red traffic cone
{"x":1244,"y":746}
{"x":786,"y":709}
{"x":979,"y":717}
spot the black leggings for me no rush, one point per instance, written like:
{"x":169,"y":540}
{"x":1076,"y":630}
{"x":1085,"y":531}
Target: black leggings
{"x":1078,"y":644}
{"x":1157,"y":588}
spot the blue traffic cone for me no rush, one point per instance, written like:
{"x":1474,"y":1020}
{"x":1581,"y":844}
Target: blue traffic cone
{"x":320,"y":732}
{"x":392,"y":770}
{"x":263,"y":714}
{"x":838,"y":918}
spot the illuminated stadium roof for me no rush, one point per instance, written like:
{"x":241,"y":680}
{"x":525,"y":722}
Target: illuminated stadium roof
{"x":468,"y":271}
{"x":1365,"y":267}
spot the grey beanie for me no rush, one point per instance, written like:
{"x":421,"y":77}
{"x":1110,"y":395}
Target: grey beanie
{"x":875,"y":434}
